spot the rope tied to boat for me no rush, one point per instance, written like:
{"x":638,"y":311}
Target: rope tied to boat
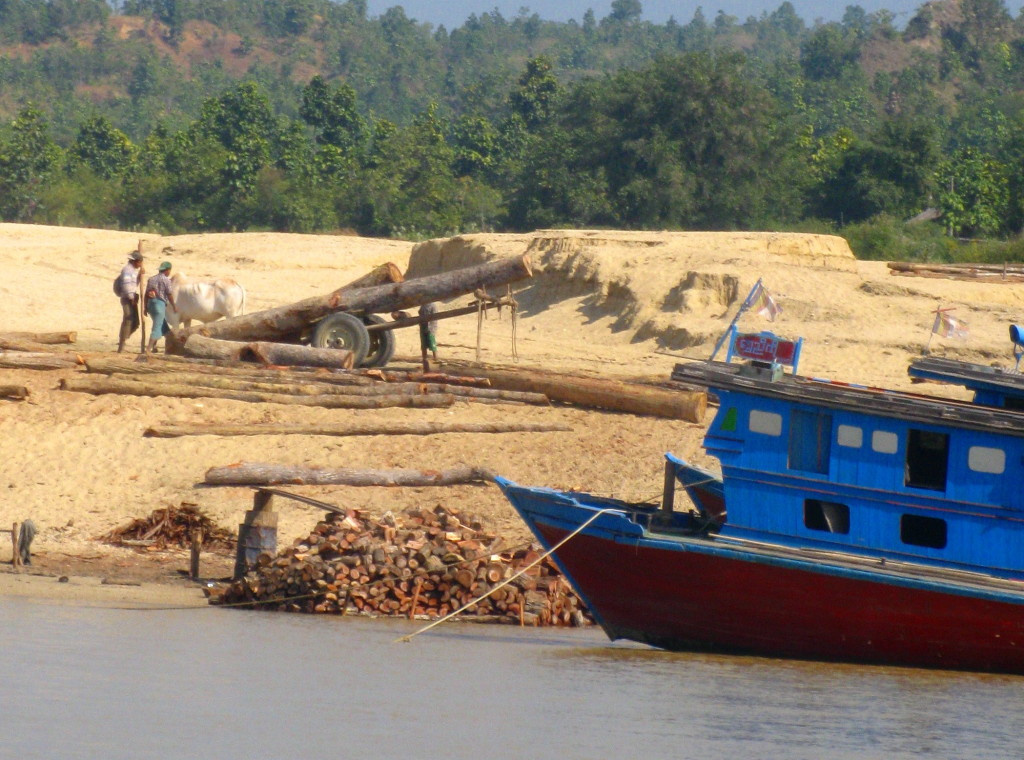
{"x":541,"y":558}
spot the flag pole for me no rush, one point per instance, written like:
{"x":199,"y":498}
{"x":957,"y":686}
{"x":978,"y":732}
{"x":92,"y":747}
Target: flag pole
{"x":743,"y":307}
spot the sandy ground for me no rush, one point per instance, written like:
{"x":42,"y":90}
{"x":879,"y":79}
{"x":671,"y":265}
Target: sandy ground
{"x":627,"y":304}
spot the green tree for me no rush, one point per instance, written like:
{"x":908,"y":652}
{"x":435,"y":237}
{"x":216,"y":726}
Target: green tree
{"x":973,"y":193}
{"x":106,"y":151}
{"x":28,"y":159}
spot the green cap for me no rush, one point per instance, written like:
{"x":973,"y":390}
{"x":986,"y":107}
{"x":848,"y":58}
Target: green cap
{"x":165,"y":266}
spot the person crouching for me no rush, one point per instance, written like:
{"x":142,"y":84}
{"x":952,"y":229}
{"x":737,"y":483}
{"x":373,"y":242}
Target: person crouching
{"x":158,"y":296}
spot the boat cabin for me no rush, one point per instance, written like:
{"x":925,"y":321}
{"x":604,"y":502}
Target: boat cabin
{"x":815,"y":464}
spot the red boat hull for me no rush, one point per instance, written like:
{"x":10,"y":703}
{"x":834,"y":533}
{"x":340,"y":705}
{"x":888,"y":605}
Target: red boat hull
{"x":692,"y":600}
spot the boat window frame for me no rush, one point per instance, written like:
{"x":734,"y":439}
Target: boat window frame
{"x":976,"y":461}
{"x":838,"y":523}
{"x":926,"y":530}
{"x":846,"y":434}
{"x":762,"y":418}
{"x":923,"y":468}
{"x":881,"y":440}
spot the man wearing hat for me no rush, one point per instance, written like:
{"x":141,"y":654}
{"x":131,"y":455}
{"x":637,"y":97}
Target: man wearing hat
{"x":158,"y":295}
{"x":128,"y":289}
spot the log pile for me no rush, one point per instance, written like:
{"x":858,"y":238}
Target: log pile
{"x":426,"y":564}
{"x":999,"y":273}
{"x":172,"y":527}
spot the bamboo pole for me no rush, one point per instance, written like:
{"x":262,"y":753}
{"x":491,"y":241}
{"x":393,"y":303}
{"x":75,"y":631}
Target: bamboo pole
{"x":354,"y":428}
{"x":255,"y":474}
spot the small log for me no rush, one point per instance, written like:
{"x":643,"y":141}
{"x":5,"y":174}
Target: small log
{"x":15,"y":360}
{"x":381,"y":275}
{"x":100,"y":385}
{"x":255,"y":474}
{"x":600,"y":393}
{"x":47,"y":338}
{"x":16,"y":392}
{"x":271,"y":324}
{"x":390,"y":427}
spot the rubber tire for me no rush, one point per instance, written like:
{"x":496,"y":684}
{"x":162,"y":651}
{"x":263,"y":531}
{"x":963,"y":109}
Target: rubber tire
{"x":382,"y":343}
{"x":342,"y":330}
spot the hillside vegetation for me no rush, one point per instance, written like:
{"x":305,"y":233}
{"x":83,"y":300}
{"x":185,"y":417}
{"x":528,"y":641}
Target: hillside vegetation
{"x":309,"y":115}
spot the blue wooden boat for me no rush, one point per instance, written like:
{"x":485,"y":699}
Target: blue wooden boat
{"x":848,"y":523}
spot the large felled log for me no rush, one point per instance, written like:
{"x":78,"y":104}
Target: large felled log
{"x":382,"y":275}
{"x":384,"y":427}
{"x":253,"y":474}
{"x":47,"y":338}
{"x":99,"y":385}
{"x":160,"y":365}
{"x":17,"y":392}
{"x":281,"y":354}
{"x":292,"y":319}
{"x":600,"y":393}
{"x":298,"y":356}
{"x":17,"y":360}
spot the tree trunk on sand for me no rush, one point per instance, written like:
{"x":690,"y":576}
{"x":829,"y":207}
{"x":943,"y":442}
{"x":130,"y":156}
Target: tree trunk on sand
{"x":291,"y":319}
{"x":600,"y":393}
{"x":26,"y":346}
{"x":281,"y":354}
{"x":49,"y":338}
{"x":298,"y":356}
{"x":9,"y":360}
{"x":160,"y":365}
{"x":245,"y":474}
{"x":102,"y":385}
{"x":391,"y":376}
{"x":308,"y":386}
{"x":384,"y":427}
{"x":382,"y":275}
{"x":17,"y":392}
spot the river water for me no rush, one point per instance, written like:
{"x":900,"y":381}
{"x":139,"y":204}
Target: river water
{"x":100,"y":683}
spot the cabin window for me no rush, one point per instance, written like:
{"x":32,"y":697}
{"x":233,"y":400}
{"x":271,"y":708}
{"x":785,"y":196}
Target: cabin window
{"x":884,"y":442}
{"x":984,"y":459}
{"x":826,"y":516}
{"x":767,"y":423}
{"x":810,"y":441}
{"x":850,"y":436}
{"x":927,"y":460}
{"x":923,"y":531}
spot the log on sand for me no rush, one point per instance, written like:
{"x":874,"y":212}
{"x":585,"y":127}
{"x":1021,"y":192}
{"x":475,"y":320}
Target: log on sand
{"x":16,"y":392}
{"x":293,"y":318}
{"x":601,"y":393}
{"x":200,"y":347}
{"x":383,"y":427}
{"x":254,"y":474}
{"x":100,"y":385}
{"x":18,"y":360}
{"x":309,"y":386}
{"x":160,"y":365}
{"x":48,"y":338}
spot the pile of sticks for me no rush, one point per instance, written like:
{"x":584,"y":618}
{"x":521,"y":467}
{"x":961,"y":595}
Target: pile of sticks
{"x":172,"y":527}
{"x":424,"y":565}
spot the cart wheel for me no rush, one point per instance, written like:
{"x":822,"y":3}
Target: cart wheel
{"x":341,"y":330}
{"x":382,"y":343}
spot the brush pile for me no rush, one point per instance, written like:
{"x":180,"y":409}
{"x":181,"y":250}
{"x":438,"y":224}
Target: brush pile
{"x":172,"y":527}
{"x":426,"y":564}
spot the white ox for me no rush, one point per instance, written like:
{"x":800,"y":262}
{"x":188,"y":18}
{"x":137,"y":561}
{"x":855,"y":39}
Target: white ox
{"x":204,"y":300}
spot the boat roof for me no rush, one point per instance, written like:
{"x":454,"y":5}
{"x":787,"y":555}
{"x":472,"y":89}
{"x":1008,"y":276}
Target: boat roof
{"x":976,"y":377}
{"x":879,"y":402}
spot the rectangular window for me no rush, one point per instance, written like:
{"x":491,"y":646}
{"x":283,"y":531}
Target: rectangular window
{"x":826,"y":516}
{"x":767,"y":423}
{"x":884,"y":442}
{"x":984,"y":459}
{"x":850,"y":436}
{"x":810,"y":441}
{"x":927,"y":460}
{"x":923,"y":531}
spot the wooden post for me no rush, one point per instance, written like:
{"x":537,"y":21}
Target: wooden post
{"x":257,"y":534}
{"x":16,"y":557}
{"x":197,"y":545}
{"x":415,"y":597}
{"x":668,"y":496}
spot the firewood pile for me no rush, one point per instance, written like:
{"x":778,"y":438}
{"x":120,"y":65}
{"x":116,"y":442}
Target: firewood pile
{"x":172,"y":527}
{"x":426,"y":564}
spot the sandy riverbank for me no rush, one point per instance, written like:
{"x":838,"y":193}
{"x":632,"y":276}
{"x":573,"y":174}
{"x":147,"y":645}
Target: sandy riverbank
{"x":610,"y":303}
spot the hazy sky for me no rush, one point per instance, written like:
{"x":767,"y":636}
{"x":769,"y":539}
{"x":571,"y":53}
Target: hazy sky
{"x":453,"y":13}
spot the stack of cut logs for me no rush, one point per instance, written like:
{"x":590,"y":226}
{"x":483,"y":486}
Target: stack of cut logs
{"x":427,"y":564}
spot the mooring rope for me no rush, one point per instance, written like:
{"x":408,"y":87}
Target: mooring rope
{"x":504,"y":583}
